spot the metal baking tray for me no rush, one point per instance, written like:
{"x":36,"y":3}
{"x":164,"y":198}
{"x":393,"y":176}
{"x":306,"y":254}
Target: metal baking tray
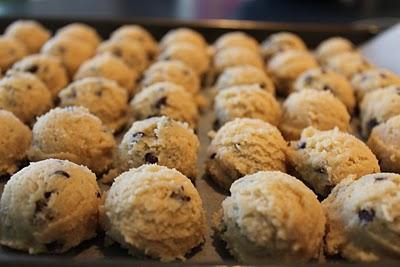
{"x":212,"y":253}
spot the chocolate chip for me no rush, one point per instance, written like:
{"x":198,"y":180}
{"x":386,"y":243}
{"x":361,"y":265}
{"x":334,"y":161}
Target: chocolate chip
{"x":72,"y":93}
{"x":180,"y":197}
{"x":161,"y":102}
{"x":117,"y":52}
{"x":41,"y":204}
{"x":216,"y":124}
{"x":98,"y":93}
{"x":136,"y":136}
{"x":185,"y":72}
{"x":383,"y":75}
{"x":150,"y":56}
{"x":150,"y":158}
{"x":32,"y":69}
{"x":62,"y":173}
{"x":380,"y":178}
{"x":371,"y":124}
{"x":321,"y":170}
{"x":54,"y":247}
{"x":167,"y":58}
{"x":61,"y":49}
{"x":262,"y":85}
{"x":213,"y":155}
{"x":366,"y":215}
{"x":301,"y":145}
{"x":308,"y":79}
{"x":98,"y":195}
{"x":47,"y":195}
{"x":326,"y":88}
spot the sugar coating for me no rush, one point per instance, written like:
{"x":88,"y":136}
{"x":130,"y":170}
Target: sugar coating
{"x":332,"y":47}
{"x":186,"y":35}
{"x":74,"y":134}
{"x":156,"y":211}
{"x":236,"y":56}
{"x":81,"y":32}
{"x":272,"y":216}
{"x":244,"y":146}
{"x":363,"y":218}
{"x":11,"y":51}
{"x":324,"y":158}
{"x":237,"y":39}
{"x":280,"y":42}
{"x":348,"y":63}
{"x":319,"y":109}
{"x":49,"y":207}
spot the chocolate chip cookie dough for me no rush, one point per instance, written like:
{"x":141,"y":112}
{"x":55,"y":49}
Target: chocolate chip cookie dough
{"x":332,"y":47}
{"x":11,"y":51}
{"x":81,"y":32}
{"x":280,"y":42}
{"x":183,"y":35}
{"x":237,"y":39}
{"x":348,"y":63}
{"x":236,"y":56}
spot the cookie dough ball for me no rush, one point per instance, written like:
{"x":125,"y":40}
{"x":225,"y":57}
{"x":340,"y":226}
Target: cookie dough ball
{"x":11,"y":51}
{"x":71,"y":52}
{"x":185,"y":35}
{"x":102,"y":97}
{"x":271,"y":216}
{"x":327,"y":80}
{"x":246,"y":101}
{"x":24,"y":95}
{"x":165,"y":99}
{"x":74,"y":134}
{"x":280,"y":42}
{"x":377,"y":107}
{"x":384,"y":141}
{"x":348,"y":64}
{"x":15,"y":140}
{"x":236,"y":56}
{"x":245,"y":75}
{"x":110,"y":67}
{"x":287,"y":66}
{"x":373,"y":79}
{"x":136,"y":33}
{"x":363,"y":218}
{"x":319,"y":109}
{"x":49,"y":207}
{"x":130,"y":52}
{"x":47,"y":68}
{"x":244,"y":146}
{"x":237,"y":39}
{"x":156,"y":211}
{"x":172,"y":71}
{"x":332,"y":47}
{"x":324,"y":158}
{"x":163,"y":141}
{"x":187,"y":53}
{"x":30,"y":33}
{"x":82,"y":32}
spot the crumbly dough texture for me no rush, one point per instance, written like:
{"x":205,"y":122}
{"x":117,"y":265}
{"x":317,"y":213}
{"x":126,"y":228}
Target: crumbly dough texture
{"x":49,"y":207}
{"x":272,"y":217}
{"x":102,"y":97}
{"x":363,"y":218}
{"x":319,"y":109}
{"x":81,"y":32}
{"x":15,"y":141}
{"x":244,"y":146}
{"x":348,"y":63}
{"x":237,"y":39}
{"x":332,"y":47}
{"x":246,"y":101}
{"x":185,"y":35}
{"x":11,"y":51}
{"x":324,"y":158}
{"x":156,"y":211}
{"x":280,"y":42}
{"x":74,"y":134}
{"x":236,"y":56}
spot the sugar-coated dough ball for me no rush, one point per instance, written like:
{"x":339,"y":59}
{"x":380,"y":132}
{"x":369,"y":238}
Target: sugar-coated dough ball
{"x":324,"y":158}
{"x":30,"y":33}
{"x":236,"y":56}
{"x":319,"y":109}
{"x":331,"y":47}
{"x":186,"y":35}
{"x":237,"y":39}
{"x":272,"y":216}
{"x":156,"y":211}
{"x":363,"y":218}
{"x":15,"y":140}
{"x":348,"y":63}
{"x":244,"y":146}
{"x":11,"y":51}
{"x":280,"y":42}
{"x":82,"y":32}
{"x":49,"y":207}
{"x":74,"y":134}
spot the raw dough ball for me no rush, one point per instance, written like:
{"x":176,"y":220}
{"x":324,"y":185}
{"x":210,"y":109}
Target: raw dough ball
{"x":187,"y":53}
{"x":237,"y":39}
{"x":236,"y":56}
{"x":280,"y":42}
{"x":49,"y":207}
{"x":165,"y":99}
{"x":131,"y":53}
{"x":327,"y":80}
{"x":319,"y":109}
{"x":286,"y":67}
{"x":373,"y":79}
{"x":155,"y":211}
{"x":348,"y":64}
{"x":102,"y":97}
{"x":185,"y":35}
{"x":163,"y":141}
{"x":384,"y":141}
{"x":71,"y":52}
{"x":74,"y":134}
{"x":24,"y":95}
{"x":246,"y":101}
{"x":30,"y":33}
{"x":324,"y":158}
{"x":15,"y":140}
{"x":272,"y":216}
{"x":245,"y":75}
{"x":11,"y":51}
{"x":47,"y":68}
{"x":172,"y":71}
{"x":377,"y":107}
{"x":136,"y":33}
{"x":332,"y":47}
{"x":364,"y":218}
{"x":81,"y":32}
{"x":110,"y":67}
{"x":244,"y":146}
